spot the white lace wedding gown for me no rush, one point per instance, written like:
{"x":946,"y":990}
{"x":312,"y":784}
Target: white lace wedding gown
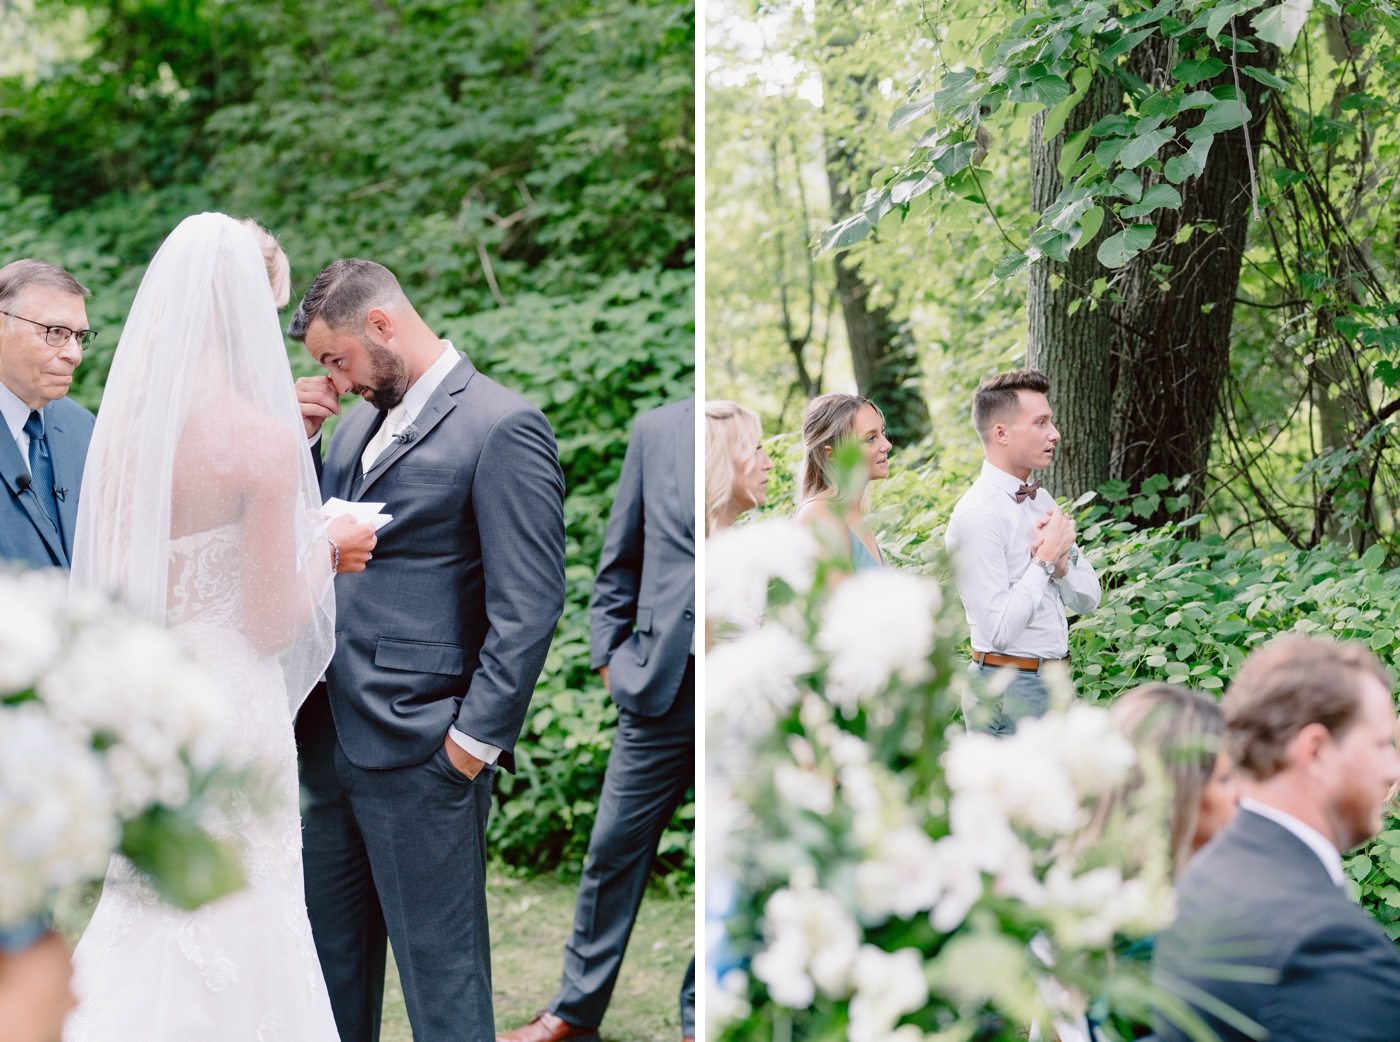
{"x":198,"y":510}
{"x":242,"y":969}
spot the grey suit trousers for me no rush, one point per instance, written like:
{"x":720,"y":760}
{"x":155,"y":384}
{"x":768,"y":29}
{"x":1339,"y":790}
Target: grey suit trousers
{"x":650,"y":767}
{"x":399,"y":853}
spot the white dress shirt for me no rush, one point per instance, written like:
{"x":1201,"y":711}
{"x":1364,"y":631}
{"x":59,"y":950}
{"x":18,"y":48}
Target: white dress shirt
{"x":1012,"y":608}
{"x":1316,"y":841}
{"x":16,"y":415}
{"x":413,"y":401}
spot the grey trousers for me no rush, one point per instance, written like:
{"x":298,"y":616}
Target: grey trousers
{"x":1026,"y":695}
{"x":650,"y":767}
{"x":397,"y":854}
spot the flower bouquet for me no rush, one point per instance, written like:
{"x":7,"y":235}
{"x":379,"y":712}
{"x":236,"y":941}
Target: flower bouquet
{"x":877,"y":872}
{"x":109,"y":741}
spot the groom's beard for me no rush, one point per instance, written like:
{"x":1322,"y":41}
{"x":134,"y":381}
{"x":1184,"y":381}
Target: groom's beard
{"x":390,"y":376}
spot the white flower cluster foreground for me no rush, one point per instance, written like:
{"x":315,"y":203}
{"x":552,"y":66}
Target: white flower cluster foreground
{"x":1008,"y":795}
{"x":129,"y":684}
{"x":121,"y":718}
{"x":56,"y":823}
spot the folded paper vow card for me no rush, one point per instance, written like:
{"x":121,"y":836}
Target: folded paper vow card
{"x":361,"y":512}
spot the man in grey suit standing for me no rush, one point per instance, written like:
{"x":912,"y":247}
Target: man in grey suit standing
{"x":1267,"y":941}
{"x":44,"y":437}
{"x":439,"y":642}
{"x":643,"y":636}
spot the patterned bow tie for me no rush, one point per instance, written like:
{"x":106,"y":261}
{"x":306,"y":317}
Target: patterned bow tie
{"x":1026,"y":492}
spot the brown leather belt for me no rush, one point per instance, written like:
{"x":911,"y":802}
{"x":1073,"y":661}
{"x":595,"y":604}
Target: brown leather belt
{"x":1025,"y":665}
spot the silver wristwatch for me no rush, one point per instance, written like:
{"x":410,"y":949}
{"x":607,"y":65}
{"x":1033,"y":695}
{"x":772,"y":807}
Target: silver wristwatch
{"x":1047,"y":566}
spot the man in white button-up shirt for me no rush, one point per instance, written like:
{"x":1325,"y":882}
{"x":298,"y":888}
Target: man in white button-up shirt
{"x":1018,"y":569}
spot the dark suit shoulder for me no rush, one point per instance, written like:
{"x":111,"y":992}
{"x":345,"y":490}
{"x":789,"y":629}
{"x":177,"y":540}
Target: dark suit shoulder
{"x":492,"y":400}
{"x":665,"y":417}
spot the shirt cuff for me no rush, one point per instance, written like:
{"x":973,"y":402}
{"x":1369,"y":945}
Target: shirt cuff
{"x":314,"y":438}
{"x":482,"y":751}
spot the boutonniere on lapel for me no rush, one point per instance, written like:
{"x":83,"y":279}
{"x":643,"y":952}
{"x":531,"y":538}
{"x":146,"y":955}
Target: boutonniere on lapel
{"x":406,"y":435}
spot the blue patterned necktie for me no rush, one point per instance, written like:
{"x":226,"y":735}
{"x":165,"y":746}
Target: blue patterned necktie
{"x":40,"y":465}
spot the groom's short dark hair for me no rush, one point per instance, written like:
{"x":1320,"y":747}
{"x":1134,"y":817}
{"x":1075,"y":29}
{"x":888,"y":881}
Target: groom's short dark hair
{"x":998,"y":397}
{"x":343,"y":294}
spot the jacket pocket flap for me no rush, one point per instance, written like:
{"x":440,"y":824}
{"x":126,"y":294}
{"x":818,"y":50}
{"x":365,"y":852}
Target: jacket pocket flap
{"x":427,"y":476}
{"x":643,"y":620}
{"x":418,"y":657}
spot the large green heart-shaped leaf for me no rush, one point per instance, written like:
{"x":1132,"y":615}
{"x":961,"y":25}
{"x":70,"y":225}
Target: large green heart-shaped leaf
{"x":1118,"y":249}
{"x":1140,"y":149}
{"x":950,"y":159}
{"x":1222,"y":116}
{"x":1155,"y":198}
{"x":1193,"y":70}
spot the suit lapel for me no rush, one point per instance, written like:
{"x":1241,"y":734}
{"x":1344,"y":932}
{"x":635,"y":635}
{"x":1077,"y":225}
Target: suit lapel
{"x":685,"y":465}
{"x":438,"y":405}
{"x":12,"y":466}
{"x":66,"y":476}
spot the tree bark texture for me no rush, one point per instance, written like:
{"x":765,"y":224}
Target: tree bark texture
{"x":1074,"y":350}
{"x":883,"y":358}
{"x":1172,"y":335}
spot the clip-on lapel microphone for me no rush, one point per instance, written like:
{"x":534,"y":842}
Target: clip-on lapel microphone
{"x":26,"y":484}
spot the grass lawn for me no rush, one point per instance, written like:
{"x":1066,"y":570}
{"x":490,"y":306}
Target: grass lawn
{"x":530,"y":921}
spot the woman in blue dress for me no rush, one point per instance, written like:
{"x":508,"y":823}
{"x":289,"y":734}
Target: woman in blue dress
{"x":830,"y":420}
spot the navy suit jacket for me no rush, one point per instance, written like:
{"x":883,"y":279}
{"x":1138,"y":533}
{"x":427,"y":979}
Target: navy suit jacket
{"x":643,"y":611}
{"x":25,"y":534}
{"x":1263,"y":935}
{"x":451,"y":620}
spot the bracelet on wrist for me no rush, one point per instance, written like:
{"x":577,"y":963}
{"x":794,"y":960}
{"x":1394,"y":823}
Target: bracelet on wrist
{"x":335,"y":549}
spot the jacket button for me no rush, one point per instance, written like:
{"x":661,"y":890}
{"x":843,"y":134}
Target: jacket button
{"x":687,"y":614}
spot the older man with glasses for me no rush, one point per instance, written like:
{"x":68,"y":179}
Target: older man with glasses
{"x":44,"y":437}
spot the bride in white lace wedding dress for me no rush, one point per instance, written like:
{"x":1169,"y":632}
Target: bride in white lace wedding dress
{"x":199,"y":509}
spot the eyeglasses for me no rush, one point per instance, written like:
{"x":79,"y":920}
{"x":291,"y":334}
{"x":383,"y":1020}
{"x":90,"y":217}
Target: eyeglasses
{"x":57,"y":336}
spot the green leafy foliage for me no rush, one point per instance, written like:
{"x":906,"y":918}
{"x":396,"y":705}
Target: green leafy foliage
{"x":526,"y":170}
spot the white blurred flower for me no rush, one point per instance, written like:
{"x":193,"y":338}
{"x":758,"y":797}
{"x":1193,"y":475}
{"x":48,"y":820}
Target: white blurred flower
{"x":726,"y":1001}
{"x":1021,"y":774}
{"x":804,"y":788}
{"x":812,"y":944}
{"x":32,"y":622}
{"x":888,"y":985}
{"x":878,"y":624}
{"x":905,"y":876}
{"x":747,"y":679}
{"x":1093,"y":750}
{"x":741,"y":562}
{"x":1088,"y":909}
{"x":56,"y":823}
{"x":129,"y":685}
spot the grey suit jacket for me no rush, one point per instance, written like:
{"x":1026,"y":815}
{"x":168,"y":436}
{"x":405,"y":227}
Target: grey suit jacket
{"x":1264,"y":932}
{"x":25,"y":534}
{"x":451,"y":619}
{"x":643,"y":611}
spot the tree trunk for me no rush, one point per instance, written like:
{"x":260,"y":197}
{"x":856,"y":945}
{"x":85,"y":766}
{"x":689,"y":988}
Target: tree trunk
{"x":883,"y":357}
{"x":1074,"y":350}
{"x":1172,"y":336}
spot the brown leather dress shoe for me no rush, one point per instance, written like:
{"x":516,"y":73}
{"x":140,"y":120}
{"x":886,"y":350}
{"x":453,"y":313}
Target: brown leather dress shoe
{"x":548,"y":1028}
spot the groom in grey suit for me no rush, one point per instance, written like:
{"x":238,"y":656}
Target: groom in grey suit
{"x":643,"y":636}
{"x":439,"y":642}
{"x":44,"y":436}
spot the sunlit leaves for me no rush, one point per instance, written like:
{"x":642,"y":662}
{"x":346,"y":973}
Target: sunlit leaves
{"x":1117,"y":250}
{"x":1280,"y":25}
{"x":1155,"y":198}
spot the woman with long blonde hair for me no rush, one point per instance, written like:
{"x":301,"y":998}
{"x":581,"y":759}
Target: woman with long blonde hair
{"x":830,"y":420}
{"x":736,"y":467}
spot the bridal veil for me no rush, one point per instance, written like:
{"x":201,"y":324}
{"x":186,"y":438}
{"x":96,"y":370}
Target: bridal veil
{"x":203,"y":347}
